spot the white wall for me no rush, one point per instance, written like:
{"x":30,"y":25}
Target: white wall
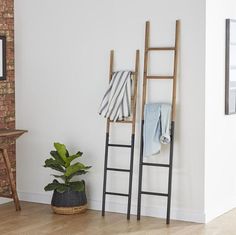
{"x":62,"y":58}
{"x":220,"y":181}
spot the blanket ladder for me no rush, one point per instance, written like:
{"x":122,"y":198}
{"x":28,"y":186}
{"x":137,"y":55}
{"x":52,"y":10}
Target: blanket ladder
{"x":147,"y":77}
{"x":131,"y":146}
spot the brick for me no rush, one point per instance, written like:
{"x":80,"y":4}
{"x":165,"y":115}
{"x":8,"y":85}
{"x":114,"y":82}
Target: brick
{"x":7,"y":88}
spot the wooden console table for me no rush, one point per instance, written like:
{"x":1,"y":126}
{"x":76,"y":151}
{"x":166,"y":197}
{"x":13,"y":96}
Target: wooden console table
{"x":10,"y":133}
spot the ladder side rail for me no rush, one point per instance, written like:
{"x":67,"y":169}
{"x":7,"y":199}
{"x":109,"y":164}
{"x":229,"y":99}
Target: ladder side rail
{"x":147,"y":32}
{"x":107,"y":142}
{"x":176,"y":57}
{"x":133,"y":131}
{"x":173,"y":115}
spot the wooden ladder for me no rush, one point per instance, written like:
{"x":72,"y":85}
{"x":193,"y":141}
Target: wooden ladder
{"x":147,"y":77}
{"x":131,"y":146}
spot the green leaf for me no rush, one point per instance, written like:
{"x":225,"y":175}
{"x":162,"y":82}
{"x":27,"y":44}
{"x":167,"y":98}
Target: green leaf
{"x":59,"y":187}
{"x":71,"y":158}
{"x":80,"y":172}
{"x":77,"y":186}
{"x":62,"y":188}
{"x":79,"y":153}
{"x":60,"y":176}
{"x":62,"y":151}
{"x":51,"y":186}
{"x":54,"y":164}
{"x":57,"y":157}
{"x":87,"y":167}
{"x":74,"y":168}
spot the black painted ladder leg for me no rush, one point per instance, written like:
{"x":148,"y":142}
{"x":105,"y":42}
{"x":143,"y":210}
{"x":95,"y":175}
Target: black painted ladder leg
{"x":170,"y":173}
{"x":105,"y":175}
{"x":140,"y":174}
{"x":131,"y":175}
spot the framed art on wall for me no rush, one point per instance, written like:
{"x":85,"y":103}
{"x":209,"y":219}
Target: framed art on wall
{"x":230,"y":67}
{"x":3,"y":58}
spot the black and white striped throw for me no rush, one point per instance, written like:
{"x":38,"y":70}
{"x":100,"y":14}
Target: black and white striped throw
{"x":116,"y":103}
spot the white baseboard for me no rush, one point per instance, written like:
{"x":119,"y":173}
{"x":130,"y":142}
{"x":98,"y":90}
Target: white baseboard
{"x":4,"y":200}
{"x":154,"y":211}
{"x":44,"y":198}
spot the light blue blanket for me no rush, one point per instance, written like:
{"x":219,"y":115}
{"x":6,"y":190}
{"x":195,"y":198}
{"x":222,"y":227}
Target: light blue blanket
{"x":157,"y":124}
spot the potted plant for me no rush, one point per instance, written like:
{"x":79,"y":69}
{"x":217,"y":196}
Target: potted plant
{"x":69,"y":196}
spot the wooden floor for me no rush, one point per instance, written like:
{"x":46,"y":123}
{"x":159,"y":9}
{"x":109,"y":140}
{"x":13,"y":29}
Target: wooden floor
{"x":38,"y":219}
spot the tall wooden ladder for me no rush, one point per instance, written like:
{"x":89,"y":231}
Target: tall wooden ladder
{"x":147,"y":77}
{"x":131,"y":146}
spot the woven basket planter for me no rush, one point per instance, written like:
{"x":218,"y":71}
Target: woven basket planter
{"x":69,"y":202}
{"x":69,"y":210}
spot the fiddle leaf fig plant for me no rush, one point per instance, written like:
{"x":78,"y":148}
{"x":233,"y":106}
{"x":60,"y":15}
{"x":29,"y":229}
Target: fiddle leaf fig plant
{"x":64,"y":163}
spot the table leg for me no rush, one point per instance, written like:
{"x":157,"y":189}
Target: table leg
{"x":11,"y":179}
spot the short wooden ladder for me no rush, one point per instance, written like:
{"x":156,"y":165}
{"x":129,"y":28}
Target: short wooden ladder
{"x":131,"y":146}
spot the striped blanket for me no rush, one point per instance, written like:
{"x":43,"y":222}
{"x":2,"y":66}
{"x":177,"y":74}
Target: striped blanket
{"x":116,"y":103}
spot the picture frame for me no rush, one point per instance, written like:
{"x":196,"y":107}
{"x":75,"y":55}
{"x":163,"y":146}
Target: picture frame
{"x":3,"y":52}
{"x":230,"y":67}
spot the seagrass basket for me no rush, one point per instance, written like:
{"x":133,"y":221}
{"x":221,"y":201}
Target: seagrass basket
{"x":69,"y":210}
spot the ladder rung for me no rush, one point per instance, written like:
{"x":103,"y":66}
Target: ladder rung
{"x":116,"y":169}
{"x":155,"y":164}
{"x":155,"y":194}
{"x":123,"y":121}
{"x":117,"y":194}
{"x":120,"y":145}
{"x":161,"y":48}
{"x":160,"y":77}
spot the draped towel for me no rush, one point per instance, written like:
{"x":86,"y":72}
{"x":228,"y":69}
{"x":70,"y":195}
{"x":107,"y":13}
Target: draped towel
{"x":157,"y":126}
{"x":116,"y":103}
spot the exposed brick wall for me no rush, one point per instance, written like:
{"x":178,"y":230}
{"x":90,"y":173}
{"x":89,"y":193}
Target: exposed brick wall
{"x":7,"y":87}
